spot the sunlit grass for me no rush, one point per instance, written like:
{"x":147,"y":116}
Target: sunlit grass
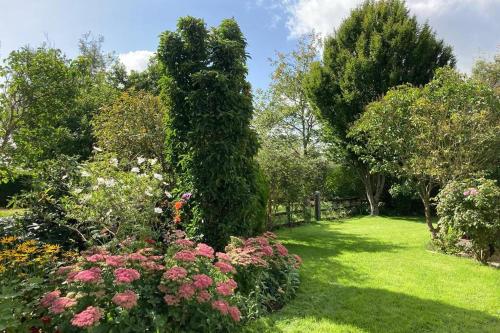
{"x":10,"y":212}
{"x":375,"y":275}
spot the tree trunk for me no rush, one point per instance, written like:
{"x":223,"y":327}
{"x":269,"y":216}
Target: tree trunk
{"x":425,"y":195}
{"x":374,"y":185}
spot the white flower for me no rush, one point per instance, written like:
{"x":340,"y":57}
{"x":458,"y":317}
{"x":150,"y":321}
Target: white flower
{"x":158,"y":210}
{"x":113,"y":161}
{"x":153,"y":161}
{"x":135,"y":169}
{"x":97,"y":149}
{"x":110,"y":182}
{"x":158,"y":176}
{"x":101,"y":181}
{"x":148,"y":193}
{"x":85,"y":174}
{"x":140,"y":160}
{"x":78,"y":190}
{"x":168,"y":194}
{"x":65,"y":176}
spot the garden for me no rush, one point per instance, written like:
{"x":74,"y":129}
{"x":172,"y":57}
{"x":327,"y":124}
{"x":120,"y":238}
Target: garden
{"x":358,"y":192}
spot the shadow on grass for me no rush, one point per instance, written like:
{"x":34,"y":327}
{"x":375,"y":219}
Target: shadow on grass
{"x":376,"y":310}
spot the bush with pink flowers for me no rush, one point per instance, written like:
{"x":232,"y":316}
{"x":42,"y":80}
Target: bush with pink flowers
{"x":199,"y":289}
{"x":266,"y":272}
{"x":108,"y":292}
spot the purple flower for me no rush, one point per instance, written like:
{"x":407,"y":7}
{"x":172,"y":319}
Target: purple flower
{"x":186,"y":196}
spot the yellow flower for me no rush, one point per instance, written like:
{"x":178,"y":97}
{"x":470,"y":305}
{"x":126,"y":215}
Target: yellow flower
{"x":51,"y":248}
{"x":8,"y":240}
{"x":2,"y":269}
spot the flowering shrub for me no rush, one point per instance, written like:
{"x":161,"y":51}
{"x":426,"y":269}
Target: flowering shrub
{"x":266,"y":271}
{"x":113,"y":292}
{"x":200,"y":293}
{"x":471,"y":208}
{"x":24,"y":265}
{"x":107,"y":202}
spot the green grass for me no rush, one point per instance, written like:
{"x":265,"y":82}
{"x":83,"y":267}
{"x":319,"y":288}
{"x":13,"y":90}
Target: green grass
{"x":375,"y":275}
{"x":9,"y":212}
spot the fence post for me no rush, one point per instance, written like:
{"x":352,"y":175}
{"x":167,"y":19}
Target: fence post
{"x":317,"y":206}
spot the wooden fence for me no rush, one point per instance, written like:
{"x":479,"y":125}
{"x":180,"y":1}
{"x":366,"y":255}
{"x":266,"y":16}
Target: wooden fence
{"x":315,"y":210}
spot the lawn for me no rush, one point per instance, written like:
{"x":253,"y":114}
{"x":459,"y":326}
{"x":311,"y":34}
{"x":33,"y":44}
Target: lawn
{"x":375,"y":275}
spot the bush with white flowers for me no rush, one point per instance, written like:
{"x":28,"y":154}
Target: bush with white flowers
{"x":111,"y":200}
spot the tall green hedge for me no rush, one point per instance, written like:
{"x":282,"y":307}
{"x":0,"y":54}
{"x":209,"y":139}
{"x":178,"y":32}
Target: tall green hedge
{"x":209,"y":140}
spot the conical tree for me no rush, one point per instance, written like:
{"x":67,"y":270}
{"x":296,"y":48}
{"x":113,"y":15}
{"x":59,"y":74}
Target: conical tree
{"x":210,"y":142}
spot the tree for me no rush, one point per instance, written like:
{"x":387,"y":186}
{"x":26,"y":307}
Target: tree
{"x":209,"y":140}
{"x":488,"y":72}
{"x":132,"y":127}
{"x":445,"y":131}
{"x":288,"y":129}
{"x":377,"y":47}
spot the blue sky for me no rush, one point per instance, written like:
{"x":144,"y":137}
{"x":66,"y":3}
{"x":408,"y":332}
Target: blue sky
{"x":131,"y":27}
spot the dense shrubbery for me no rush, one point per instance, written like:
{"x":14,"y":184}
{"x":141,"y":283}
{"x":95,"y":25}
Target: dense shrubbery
{"x":139,"y":286}
{"x":470,"y":208}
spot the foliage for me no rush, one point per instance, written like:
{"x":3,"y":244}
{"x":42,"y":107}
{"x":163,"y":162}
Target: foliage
{"x":45,"y":219}
{"x":147,"y":80}
{"x":446,"y":130}
{"x":24,"y":265}
{"x":472,"y":208}
{"x":209,"y":139}
{"x":105,"y":202}
{"x":341,"y":182}
{"x":266,"y":271}
{"x":488,"y":72}
{"x":377,"y":47}
{"x":132,"y":126}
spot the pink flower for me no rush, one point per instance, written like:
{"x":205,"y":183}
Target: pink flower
{"x":202,"y":281}
{"x":223,"y":256}
{"x":270,"y":235}
{"x":49,"y":298}
{"x":65,"y":269}
{"x":184,"y":242}
{"x":204,"y":250}
{"x":222,"y":306}
{"x":116,"y":261}
{"x":466,"y":193}
{"x":185,"y":255}
{"x":175,"y":273}
{"x":60,"y":304}
{"x":95,"y":257}
{"x":224,"y":267}
{"x":91,"y":275}
{"x":298,"y":261}
{"x":267,"y":250}
{"x":186,"y":290}
{"x":203,"y":297}
{"x":226,"y":288}
{"x":126,"y":300}
{"x":71,"y":276}
{"x":87,"y":317}
{"x":126,"y":275}
{"x":152,"y":266}
{"x":281,"y":249}
{"x":137,"y":256}
{"x":171,"y":300}
{"x":235,"y":313}
{"x":155,"y":257}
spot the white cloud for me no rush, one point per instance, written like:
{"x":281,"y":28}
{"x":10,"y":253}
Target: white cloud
{"x":136,"y":60}
{"x":470,"y":26}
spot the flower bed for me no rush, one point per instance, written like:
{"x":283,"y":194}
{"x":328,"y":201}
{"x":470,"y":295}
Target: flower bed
{"x":189,"y":288}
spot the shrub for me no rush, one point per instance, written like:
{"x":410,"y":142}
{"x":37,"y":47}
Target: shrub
{"x":105,"y":202}
{"x":24,"y":265}
{"x":471,"y":207}
{"x":266,"y":272}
